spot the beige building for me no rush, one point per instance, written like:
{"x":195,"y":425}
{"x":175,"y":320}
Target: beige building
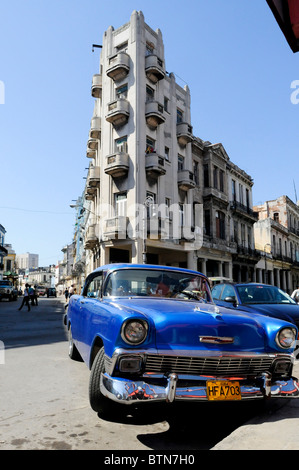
{"x":277,"y":236}
{"x":155,"y":192}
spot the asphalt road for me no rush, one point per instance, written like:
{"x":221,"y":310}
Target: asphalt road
{"x":44,"y":398}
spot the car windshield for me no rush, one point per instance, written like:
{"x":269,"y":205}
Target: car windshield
{"x":157,"y":283}
{"x":263,"y":295}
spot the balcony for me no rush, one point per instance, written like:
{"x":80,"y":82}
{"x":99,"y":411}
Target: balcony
{"x":96,"y":86}
{"x":116,"y":227}
{"x":91,"y":153}
{"x":154,"y":68}
{"x":154,"y":114}
{"x":157,"y":227}
{"x":91,"y":240}
{"x":118,"y":112}
{"x":186,"y":180}
{"x":92,"y":144}
{"x":184,"y":133}
{"x":95,"y":128}
{"x":119,"y":66}
{"x":93,"y":178}
{"x":90,"y":193}
{"x":117,"y":165}
{"x":243,"y":210}
{"x":154,"y":165}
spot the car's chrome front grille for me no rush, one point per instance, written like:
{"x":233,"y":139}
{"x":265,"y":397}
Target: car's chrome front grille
{"x":215,"y":366}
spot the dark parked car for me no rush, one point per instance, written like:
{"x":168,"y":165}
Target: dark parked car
{"x":257,"y":298}
{"x":153,"y":333}
{"x":51,"y":292}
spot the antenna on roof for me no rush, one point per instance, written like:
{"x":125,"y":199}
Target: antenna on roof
{"x":295,"y":191}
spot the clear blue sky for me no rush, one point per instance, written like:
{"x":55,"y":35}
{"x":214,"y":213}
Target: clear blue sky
{"x":231,"y":53}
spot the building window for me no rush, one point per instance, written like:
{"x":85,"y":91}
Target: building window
{"x":167,"y":207}
{"x":240,"y":194}
{"x":149,"y":48}
{"x":150,"y":205}
{"x":121,"y":204}
{"x":122,"y":91}
{"x":179,"y":116}
{"x":181,"y":214}
{"x":166,"y":153}
{"x":234,"y":190}
{"x":220,"y":225}
{"x":166,"y":102}
{"x":221,"y":180}
{"x":121,"y":145}
{"x":215,"y":177}
{"x":180,"y":162}
{"x":195,"y":171}
{"x":207,"y":218}
{"x":150,"y":145}
{"x":150,"y":94}
{"x":276,"y":216}
{"x":206,"y":176}
{"x":122,"y":47}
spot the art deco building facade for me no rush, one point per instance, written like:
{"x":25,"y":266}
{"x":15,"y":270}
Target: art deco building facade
{"x":150,"y":175}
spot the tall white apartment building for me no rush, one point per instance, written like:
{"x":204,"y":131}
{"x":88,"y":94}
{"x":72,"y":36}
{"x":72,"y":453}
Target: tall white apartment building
{"x":27,"y":261}
{"x":154,"y":192}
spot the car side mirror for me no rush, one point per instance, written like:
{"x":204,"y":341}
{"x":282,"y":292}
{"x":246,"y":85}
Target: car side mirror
{"x":231,"y":299}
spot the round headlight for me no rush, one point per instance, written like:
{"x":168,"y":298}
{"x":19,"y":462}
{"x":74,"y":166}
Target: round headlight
{"x":286,"y":337}
{"x":134,"y":331}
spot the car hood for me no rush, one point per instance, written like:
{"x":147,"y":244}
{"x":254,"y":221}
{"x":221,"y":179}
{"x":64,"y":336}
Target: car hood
{"x":287,"y":312}
{"x":181,"y":324}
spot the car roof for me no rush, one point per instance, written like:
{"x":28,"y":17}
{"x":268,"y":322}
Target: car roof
{"x":115,"y":266}
{"x":252,"y":284}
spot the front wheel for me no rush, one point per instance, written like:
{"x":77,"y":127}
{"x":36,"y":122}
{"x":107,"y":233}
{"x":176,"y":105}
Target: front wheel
{"x":98,"y":401}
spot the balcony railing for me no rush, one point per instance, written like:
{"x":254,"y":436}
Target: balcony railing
{"x":93,"y":178}
{"x":96,"y":86}
{"x":118,"y":112}
{"x":244,"y":210}
{"x":154,"y":68}
{"x":116,"y":227}
{"x":154,"y":165}
{"x":95,"y":128}
{"x":184,"y":133}
{"x":91,"y":239}
{"x":117,"y":165}
{"x":91,"y":153}
{"x":119,"y":66}
{"x":186,"y":180}
{"x":154,"y":114}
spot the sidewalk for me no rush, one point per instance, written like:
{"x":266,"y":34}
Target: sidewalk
{"x":276,"y":429}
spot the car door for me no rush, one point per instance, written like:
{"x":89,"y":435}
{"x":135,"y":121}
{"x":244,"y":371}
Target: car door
{"x":89,"y":305}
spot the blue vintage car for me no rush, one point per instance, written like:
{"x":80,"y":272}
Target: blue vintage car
{"x":152,"y":333}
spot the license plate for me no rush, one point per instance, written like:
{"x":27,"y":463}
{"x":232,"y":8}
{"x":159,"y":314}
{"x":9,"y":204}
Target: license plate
{"x":223,"y":390}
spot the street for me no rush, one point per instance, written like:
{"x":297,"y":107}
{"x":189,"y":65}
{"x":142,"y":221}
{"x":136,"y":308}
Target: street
{"x":44,"y":398}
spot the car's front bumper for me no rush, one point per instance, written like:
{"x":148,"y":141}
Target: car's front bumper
{"x":129,"y":391}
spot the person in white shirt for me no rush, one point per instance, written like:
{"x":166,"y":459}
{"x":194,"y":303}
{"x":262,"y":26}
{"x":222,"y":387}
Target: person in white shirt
{"x":295,"y":295}
{"x":26,"y":298}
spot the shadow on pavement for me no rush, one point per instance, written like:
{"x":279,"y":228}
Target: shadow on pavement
{"x":191,"y":426}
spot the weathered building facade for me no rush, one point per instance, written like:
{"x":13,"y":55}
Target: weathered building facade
{"x":277,"y":236}
{"x":155,"y":192}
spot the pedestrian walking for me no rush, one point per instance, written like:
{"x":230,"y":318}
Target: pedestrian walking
{"x":31,"y":295}
{"x":26,"y":298}
{"x":35,"y":296}
{"x":66,"y":294}
{"x":71,"y":290}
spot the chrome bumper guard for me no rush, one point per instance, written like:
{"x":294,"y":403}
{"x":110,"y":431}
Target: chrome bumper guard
{"x":128,"y":392}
